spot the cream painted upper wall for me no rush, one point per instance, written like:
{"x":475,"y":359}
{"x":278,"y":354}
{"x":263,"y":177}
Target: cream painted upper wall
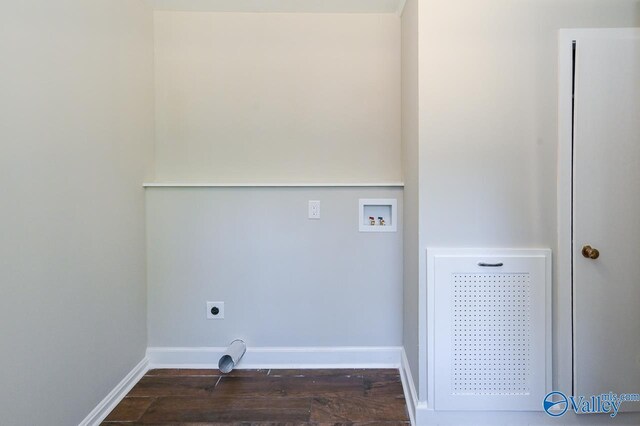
{"x":277,"y":97}
{"x":276,"y":6}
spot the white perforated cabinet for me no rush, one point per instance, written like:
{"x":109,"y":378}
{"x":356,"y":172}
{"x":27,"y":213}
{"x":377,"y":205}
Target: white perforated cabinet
{"x":492,"y":328}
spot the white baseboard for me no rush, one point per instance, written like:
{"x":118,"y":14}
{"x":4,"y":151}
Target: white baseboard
{"x":410,"y":394}
{"x":102,"y":410}
{"x":279,"y":357}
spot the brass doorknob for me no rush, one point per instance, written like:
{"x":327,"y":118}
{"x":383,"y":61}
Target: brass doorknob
{"x":590,"y":253}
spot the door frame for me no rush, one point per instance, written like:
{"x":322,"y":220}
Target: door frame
{"x":564,"y":261}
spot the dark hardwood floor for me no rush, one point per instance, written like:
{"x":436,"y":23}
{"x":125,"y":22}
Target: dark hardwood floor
{"x":207,"y":397}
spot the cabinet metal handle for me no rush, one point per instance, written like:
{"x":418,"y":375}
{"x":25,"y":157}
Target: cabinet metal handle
{"x":491,"y":265}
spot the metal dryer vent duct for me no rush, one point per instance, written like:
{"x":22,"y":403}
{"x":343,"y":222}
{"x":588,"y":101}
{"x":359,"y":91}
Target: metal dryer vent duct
{"x":232,"y":356}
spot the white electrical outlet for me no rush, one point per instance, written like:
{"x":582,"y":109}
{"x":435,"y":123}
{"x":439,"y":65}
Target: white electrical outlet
{"x":314,"y":209}
{"x":215,"y":310}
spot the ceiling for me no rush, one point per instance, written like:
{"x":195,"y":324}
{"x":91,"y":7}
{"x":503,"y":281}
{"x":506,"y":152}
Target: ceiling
{"x":283,"y":6}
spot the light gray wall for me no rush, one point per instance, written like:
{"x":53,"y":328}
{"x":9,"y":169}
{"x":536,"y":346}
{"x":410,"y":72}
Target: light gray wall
{"x":285,"y":280}
{"x":410,"y":165}
{"x":76,"y":133}
{"x":273,"y":97}
{"x":488,"y":124}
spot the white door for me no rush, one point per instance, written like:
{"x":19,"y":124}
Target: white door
{"x":606,"y":215}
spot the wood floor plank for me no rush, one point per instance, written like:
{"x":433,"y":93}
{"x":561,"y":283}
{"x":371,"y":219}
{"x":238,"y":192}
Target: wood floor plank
{"x":204,"y":372}
{"x":223,"y":409}
{"x":336,"y":386}
{"x":182,"y":372}
{"x":316,"y":372}
{"x":358,"y":372}
{"x":246,"y":373}
{"x":381,"y":372}
{"x":129,"y":409}
{"x":390,"y":386}
{"x":295,"y":387}
{"x":157,"y":386}
{"x":256,"y":387}
{"x":358,"y":409}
